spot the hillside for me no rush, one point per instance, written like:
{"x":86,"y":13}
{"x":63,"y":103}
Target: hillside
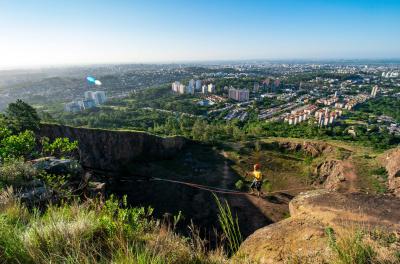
{"x":327,"y":226}
{"x":313,"y":190}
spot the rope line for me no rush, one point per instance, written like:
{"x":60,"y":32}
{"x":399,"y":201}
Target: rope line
{"x":222,"y":190}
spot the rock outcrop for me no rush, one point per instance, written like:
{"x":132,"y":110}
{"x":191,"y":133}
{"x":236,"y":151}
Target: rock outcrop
{"x":303,"y":236}
{"x":330,"y":173}
{"x":56,"y":166}
{"x":392,"y":163}
{"x":111,"y":150}
{"x":314,"y":149}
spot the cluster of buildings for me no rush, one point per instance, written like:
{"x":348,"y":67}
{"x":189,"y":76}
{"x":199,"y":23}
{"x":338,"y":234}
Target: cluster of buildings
{"x":328,"y":101}
{"x":91,"y":100}
{"x":271,"y":85}
{"x":326,"y":116}
{"x":390,"y":74}
{"x":180,"y":88}
{"x":211,"y":99}
{"x":192,"y":87}
{"x":239,"y":113}
{"x":301,"y":114}
{"x":240,"y":95}
{"x":331,"y":111}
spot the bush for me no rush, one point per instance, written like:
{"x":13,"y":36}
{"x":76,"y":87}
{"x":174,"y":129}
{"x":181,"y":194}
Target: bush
{"x":16,"y":172}
{"x":16,"y":146}
{"x":239,"y":185}
{"x":60,"y":147}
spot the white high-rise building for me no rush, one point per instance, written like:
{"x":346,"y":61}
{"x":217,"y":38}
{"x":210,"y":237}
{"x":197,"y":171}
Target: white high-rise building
{"x":198,"y":85}
{"x":175,"y":86}
{"x":181,"y":89}
{"x":190,"y":89}
{"x":88,"y":95}
{"x":72,"y":107}
{"x":211,"y":88}
{"x":99,"y":97}
{"x":191,"y":85}
{"x":374,"y":91}
{"x":204,"y":89}
{"x":240,"y":95}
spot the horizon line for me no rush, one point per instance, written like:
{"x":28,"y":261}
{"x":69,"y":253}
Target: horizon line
{"x":194,"y":61}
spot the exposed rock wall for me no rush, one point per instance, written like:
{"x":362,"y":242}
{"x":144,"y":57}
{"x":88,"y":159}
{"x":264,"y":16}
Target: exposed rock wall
{"x":392,"y":163}
{"x":111,"y":150}
{"x":330,"y":173}
{"x":313,"y":149}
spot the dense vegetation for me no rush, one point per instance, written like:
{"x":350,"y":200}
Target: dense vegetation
{"x":388,"y":106}
{"x":158,"y":110}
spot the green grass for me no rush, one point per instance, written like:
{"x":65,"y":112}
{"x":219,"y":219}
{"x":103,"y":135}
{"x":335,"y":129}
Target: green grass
{"x":92,"y":232}
{"x":351,"y":249}
{"x":229,"y":225}
{"x":358,"y":245}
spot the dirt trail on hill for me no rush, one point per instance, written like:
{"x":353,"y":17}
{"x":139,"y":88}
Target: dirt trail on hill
{"x":350,"y":184}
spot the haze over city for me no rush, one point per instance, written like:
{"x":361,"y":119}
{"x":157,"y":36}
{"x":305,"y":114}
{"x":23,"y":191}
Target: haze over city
{"x":36,"y":33}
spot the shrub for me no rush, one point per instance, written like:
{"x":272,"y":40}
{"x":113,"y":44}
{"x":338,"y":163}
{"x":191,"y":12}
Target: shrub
{"x":239,"y":185}
{"x":16,"y":172}
{"x":60,"y":147}
{"x":16,"y":146}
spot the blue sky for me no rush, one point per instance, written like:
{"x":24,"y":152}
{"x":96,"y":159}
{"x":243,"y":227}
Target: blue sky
{"x":49,"y":32}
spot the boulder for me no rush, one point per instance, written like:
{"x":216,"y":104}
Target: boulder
{"x":302,"y":238}
{"x":56,"y":166}
{"x":36,"y":195}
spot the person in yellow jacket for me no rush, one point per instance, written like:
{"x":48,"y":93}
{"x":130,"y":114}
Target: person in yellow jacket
{"x":257,"y":181}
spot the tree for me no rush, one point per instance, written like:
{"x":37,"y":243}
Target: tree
{"x":21,"y":116}
{"x":16,"y":146}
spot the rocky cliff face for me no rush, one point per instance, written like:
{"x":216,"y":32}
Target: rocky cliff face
{"x":311,"y":148}
{"x":330,"y":173}
{"x":303,"y":237}
{"x":110,"y":150}
{"x":392,"y":163}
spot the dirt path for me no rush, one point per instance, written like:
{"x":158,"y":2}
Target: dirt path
{"x":350,"y":184}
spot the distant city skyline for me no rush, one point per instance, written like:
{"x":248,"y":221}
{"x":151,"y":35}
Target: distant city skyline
{"x":43,"y":33}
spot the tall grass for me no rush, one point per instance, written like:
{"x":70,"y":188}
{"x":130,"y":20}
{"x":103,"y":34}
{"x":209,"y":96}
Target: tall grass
{"x":350,"y":249}
{"x":357,"y":245}
{"x":93,"y":232}
{"x":229,"y":225}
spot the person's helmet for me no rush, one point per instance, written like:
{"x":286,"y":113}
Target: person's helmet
{"x":257,"y":166}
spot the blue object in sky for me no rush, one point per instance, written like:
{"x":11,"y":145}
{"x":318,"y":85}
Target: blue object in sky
{"x":91,"y":79}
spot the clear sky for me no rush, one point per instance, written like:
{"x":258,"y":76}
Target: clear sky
{"x":49,"y":32}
